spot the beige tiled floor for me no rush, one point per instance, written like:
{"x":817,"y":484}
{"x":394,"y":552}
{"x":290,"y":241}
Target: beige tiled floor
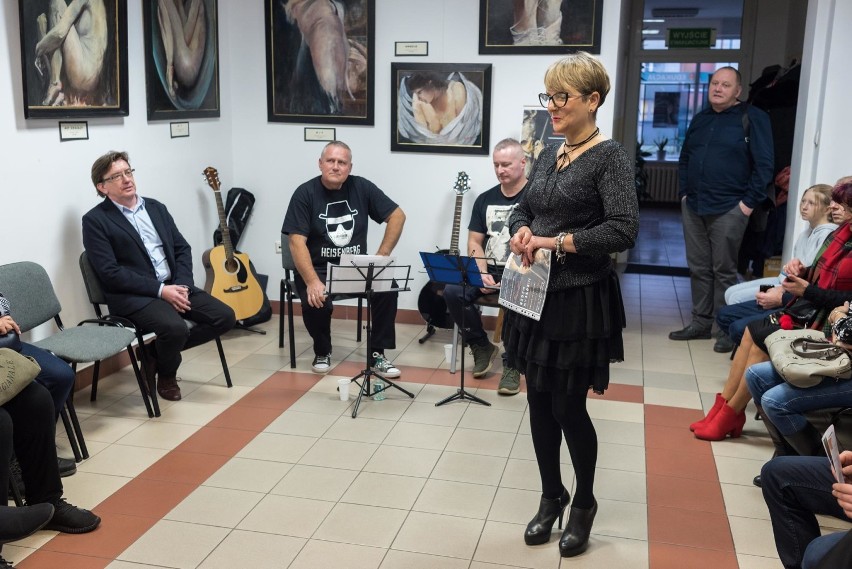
{"x":406,"y":484}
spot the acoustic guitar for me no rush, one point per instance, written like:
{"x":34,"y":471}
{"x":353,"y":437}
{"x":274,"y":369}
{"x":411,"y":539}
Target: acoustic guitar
{"x":229,"y":277}
{"x":430,"y":303}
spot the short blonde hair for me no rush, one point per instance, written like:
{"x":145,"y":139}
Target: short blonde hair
{"x":580,"y":71}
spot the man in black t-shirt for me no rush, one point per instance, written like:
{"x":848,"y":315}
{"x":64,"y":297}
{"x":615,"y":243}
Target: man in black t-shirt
{"x":328,"y":217}
{"x":488,"y":237}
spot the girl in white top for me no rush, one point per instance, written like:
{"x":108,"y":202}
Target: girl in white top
{"x":814,"y":209}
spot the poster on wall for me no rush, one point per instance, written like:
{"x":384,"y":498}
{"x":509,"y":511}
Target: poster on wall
{"x":539,"y":26}
{"x":320,"y":61}
{"x":181,"y":58}
{"x":536,"y":133}
{"x":440,"y":107}
{"x":74,"y":58}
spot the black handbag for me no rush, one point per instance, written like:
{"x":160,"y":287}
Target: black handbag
{"x":11,"y":340}
{"x":803,"y":312}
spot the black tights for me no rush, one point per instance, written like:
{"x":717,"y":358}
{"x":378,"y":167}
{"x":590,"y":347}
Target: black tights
{"x":551,"y":416}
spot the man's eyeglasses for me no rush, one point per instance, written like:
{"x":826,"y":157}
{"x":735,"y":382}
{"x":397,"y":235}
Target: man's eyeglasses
{"x":115,"y":177}
{"x":559,"y":99}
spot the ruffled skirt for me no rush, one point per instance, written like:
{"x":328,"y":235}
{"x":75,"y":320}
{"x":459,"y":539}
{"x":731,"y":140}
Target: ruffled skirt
{"x":578,"y":336}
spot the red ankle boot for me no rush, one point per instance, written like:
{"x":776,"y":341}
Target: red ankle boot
{"x":711,"y":413}
{"x":726,"y":422}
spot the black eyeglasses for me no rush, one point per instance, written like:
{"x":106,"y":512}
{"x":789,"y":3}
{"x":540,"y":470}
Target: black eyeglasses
{"x":126,"y":174}
{"x":559,"y":99}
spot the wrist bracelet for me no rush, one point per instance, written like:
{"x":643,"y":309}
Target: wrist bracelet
{"x":560,"y":251}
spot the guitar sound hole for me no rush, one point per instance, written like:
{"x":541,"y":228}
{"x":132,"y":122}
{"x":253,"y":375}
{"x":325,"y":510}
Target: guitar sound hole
{"x":232,"y":265}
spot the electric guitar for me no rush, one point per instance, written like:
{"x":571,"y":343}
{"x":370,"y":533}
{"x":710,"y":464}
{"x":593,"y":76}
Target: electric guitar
{"x":229,"y":277}
{"x":430,"y":303}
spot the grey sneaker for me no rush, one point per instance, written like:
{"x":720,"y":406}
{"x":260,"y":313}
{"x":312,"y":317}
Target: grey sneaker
{"x":510,"y":383}
{"x":383,"y":367}
{"x":483,"y":357}
{"x":321,"y":364}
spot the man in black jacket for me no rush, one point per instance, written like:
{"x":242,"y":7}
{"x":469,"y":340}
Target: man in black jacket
{"x":145,"y":267}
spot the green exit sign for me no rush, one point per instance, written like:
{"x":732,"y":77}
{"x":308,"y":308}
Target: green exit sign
{"x":691,"y":37}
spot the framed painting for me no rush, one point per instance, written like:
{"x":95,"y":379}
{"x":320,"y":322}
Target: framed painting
{"x":536,"y":133}
{"x":320,"y":61}
{"x":539,"y":26}
{"x":181,"y":58}
{"x":86,"y":77}
{"x":440,"y":107}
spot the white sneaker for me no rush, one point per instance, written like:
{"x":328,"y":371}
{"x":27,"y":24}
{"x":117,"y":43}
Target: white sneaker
{"x":321,"y":364}
{"x":383,"y":367}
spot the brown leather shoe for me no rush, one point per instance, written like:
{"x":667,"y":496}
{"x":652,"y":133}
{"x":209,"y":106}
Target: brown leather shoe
{"x":168,"y":388}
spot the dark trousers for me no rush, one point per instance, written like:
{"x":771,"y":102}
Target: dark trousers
{"x":212,"y":318}
{"x":712,"y":242}
{"x":27,"y":424}
{"x":318,"y":320}
{"x":460,"y":303}
{"x":796,"y":488}
{"x":56,"y":375}
{"x":732,"y":319}
{"x":553,"y":415}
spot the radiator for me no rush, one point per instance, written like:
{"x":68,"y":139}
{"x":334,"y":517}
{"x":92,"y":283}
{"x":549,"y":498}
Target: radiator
{"x":662,"y":181}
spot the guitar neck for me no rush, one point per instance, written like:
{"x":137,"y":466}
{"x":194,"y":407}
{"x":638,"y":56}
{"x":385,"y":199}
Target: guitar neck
{"x":454,"y":237}
{"x":223,"y":225}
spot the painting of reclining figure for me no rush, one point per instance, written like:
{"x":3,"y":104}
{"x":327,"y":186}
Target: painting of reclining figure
{"x":181,"y":58}
{"x":320,"y":56}
{"x":74,"y":58}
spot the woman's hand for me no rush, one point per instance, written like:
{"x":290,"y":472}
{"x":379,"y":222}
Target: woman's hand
{"x":838,"y":313}
{"x":520,"y":239}
{"x":795,"y":285}
{"x":793,"y":268}
{"x":7,"y":325}
{"x":531,"y":247}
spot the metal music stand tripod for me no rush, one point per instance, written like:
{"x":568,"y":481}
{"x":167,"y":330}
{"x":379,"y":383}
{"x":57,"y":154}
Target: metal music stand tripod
{"x":457,"y":270}
{"x":369,"y":274}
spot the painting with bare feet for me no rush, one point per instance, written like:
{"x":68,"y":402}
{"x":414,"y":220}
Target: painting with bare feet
{"x":181,"y":58}
{"x":539,"y":26}
{"x":320,"y":61}
{"x":74,"y":58}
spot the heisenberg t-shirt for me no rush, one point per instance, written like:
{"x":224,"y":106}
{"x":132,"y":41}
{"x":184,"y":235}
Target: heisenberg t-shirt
{"x":335,"y":221}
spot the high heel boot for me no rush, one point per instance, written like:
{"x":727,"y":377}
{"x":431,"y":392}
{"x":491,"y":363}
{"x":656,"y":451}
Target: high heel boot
{"x":538,"y":530}
{"x":575,"y":538}
{"x":711,"y":413}
{"x":726,"y":422}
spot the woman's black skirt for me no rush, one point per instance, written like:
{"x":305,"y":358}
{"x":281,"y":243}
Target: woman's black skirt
{"x":578,"y":336}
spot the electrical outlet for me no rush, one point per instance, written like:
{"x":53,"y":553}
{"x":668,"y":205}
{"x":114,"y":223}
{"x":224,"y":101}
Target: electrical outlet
{"x":278,"y":247}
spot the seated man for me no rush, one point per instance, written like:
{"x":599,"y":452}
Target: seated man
{"x":796,"y":489}
{"x":488,"y":236}
{"x":145,"y":267}
{"x":28,"y":425}
{"x":328,"y":217}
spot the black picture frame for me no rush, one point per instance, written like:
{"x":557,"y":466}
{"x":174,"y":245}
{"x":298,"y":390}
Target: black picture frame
{"x":577,"y":27}
{"x":467,"y":133}
{"x":194,"y":92}
{"x":99,"y":92}
{"x":294,"y":92}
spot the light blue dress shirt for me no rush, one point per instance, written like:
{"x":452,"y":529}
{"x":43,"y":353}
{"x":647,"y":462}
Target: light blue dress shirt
{"x":139,"y":219}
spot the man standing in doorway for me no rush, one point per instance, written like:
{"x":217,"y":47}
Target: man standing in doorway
{"x":725,"y":165}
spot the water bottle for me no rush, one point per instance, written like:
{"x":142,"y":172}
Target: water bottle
{"x":378,"y":389}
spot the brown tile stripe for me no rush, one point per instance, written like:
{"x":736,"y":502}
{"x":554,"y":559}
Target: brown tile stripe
{"x":687,"y":525}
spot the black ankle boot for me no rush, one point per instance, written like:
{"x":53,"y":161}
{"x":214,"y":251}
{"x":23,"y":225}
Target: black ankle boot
{"x":538,"y":530}
{"x":575,"y":539}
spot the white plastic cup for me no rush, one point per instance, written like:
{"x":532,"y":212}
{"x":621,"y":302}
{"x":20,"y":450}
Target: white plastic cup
{"x":448,"y":354}
{"x":343,"y":388}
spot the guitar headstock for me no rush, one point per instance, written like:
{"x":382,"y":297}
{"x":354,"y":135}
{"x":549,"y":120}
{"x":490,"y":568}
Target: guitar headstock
{"x":462,"y":183}
{"x":212,"y":177}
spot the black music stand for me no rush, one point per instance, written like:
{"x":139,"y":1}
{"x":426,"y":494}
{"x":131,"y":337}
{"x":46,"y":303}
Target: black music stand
{"x":457,"y":270}
{"x":368,"y":274}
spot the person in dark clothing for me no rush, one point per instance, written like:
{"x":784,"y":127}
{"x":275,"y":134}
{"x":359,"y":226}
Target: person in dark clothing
{"x":723,"y":177}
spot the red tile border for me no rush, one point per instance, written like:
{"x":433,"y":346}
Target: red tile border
{"x":665,"y":556}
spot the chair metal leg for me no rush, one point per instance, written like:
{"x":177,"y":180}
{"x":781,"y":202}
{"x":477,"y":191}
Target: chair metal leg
{"x":292,"y":334}
{"x":281,"y":295}
{"x":16,"y":491}
{"x":143,"y":389}
{"x":95,"y":374}
{"x":75,"y":422}
{"x":71,"y":437}
{"x":224,"y":362}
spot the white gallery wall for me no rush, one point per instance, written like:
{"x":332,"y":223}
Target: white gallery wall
{"x":46,"y":186}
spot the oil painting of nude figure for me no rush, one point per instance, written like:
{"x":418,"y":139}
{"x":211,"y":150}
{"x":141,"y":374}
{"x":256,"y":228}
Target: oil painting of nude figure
{"x":181,"y":58}
{"x":440,"y":107}
{"x":539,"y":26}
{"x":74,"y":58}
{"x":320,"y":61}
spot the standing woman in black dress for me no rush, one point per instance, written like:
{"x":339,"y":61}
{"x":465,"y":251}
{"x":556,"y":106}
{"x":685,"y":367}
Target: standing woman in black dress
{"x":581,"y":204}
